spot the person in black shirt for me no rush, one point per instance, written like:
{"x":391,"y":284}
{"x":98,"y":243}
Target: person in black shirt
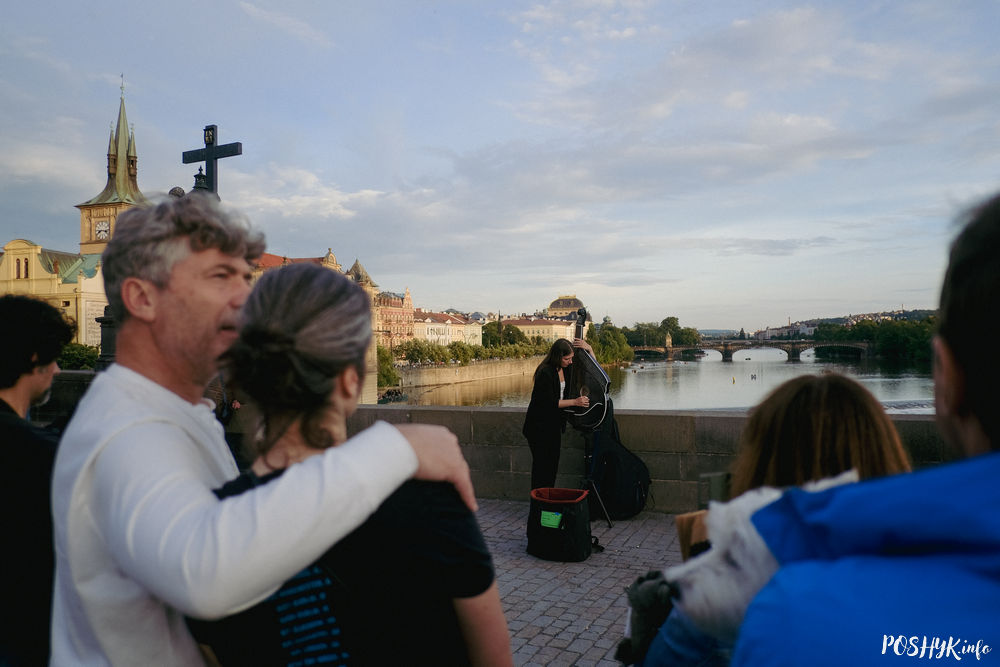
{"x":414,"y":584}
{"x":545,"y":421}
{"x":31,"y":337}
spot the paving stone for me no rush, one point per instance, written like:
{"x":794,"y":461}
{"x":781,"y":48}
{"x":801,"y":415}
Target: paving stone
{"x":571,"y":613}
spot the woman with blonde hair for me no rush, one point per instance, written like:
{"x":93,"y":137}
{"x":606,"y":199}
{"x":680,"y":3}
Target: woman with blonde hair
{"x":810,"y":428}
{"x":414,"y":584}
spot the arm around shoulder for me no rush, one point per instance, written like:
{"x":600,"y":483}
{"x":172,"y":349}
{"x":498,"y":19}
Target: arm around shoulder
{"x":165,"y":528}
{"x":484,"y":628}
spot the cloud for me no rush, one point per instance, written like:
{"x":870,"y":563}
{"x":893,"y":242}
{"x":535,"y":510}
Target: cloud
{"x":300,"y":30}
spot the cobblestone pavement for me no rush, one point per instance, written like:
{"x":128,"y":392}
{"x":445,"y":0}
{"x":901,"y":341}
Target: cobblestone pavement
{"x":571,"y":613}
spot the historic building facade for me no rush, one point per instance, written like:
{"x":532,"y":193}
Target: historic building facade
{"x":549,"y":330}
{"x":446,"y":328}
{"x":393,"y":318}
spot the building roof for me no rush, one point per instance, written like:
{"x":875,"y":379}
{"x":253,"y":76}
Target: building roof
{"x":536,"y":321}
{"x":441,"y":318}
{"x":568,"y":301}
{"x":360,"y":276}
{"x":68,"y":265}
{"x":122,"y":161}
{"x":271,"y":261}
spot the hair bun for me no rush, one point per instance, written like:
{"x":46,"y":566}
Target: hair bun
{"x":267,"y":340}
{"x":267,"y":365}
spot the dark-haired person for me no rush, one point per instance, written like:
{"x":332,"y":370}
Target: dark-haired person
{"x":414,"y":585}
{"x":545,"y":421}
{"x":904,"y":567}
{"x":141,"y":540}
{"x":32,"y":335}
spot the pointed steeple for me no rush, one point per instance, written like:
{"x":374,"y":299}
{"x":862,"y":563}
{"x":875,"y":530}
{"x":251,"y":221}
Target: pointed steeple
{"x":360,"y":276}
{"x":122,"y":186}
{"x":112,"y":158}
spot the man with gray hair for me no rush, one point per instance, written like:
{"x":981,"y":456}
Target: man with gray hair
{"x":141,"y":540}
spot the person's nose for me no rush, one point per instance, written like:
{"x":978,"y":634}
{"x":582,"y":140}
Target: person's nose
{"x":240,"y":294}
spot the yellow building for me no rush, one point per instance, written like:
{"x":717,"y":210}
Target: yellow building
{"x":72,"y":282}
{"x":549,"y":330}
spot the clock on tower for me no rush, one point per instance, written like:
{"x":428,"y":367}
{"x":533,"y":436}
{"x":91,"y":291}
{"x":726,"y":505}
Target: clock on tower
{"x":103,"y":230}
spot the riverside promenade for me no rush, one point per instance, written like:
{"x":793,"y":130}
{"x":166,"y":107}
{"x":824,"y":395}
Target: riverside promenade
{"x":571,"y":613}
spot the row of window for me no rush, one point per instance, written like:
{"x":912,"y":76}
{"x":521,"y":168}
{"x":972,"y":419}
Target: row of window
{"x":18,"y":269}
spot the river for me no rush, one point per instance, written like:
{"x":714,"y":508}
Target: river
{"x":706,"y":384}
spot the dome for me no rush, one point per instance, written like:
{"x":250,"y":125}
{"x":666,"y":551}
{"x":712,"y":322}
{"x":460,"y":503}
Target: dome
{"x":565,"y":305}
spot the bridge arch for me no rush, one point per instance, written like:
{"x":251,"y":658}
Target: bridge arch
{"x":793,"y":348}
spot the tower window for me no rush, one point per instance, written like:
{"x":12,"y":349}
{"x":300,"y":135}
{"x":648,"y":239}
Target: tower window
{"x":18,"y":268}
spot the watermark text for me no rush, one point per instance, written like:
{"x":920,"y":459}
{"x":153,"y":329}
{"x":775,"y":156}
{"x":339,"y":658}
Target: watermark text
{"x":933,"y":648}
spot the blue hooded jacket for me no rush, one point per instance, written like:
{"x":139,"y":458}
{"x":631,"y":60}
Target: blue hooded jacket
{"x":883,"y":571}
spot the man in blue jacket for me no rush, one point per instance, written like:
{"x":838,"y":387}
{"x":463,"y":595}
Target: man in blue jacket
{"x":905,"y":567}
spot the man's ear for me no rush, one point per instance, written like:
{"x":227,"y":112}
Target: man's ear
{"x":949,"y":381}
{"x":140,"y":298}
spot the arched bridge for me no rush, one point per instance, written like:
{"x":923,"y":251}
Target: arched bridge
{"x":793,"y":348}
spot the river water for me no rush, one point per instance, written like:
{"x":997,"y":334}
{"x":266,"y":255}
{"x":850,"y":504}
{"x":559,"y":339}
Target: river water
{"x":706,"y":384}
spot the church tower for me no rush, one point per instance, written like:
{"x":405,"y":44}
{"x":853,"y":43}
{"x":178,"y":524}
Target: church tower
{"x":98,"y":215}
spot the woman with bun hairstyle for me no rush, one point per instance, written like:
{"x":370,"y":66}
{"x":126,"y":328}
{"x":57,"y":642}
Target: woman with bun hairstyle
{"x":545,"y":420}
{"x":414,"y":584}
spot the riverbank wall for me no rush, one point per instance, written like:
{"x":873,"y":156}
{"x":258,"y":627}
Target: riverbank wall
{"x":681,"y":449}
{"x":439,"y":374}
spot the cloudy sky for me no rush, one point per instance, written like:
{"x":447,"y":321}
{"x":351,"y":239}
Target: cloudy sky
{"x":734,"y":164}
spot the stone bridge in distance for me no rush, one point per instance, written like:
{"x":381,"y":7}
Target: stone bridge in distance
{"x":793,"y":348}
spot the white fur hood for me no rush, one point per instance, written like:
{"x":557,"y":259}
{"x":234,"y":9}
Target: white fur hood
{"x":717,"y":586}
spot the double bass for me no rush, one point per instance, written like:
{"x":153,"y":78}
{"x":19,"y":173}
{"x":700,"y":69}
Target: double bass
{"x":590,"y":380}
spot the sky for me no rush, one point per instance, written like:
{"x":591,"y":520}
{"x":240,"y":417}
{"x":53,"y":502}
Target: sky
{"x":732,"y":164}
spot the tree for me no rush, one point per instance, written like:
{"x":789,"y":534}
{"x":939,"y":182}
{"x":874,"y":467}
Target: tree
{"x":491,"y":334}
{"x":513,"y":336}
{"x":670,"y":325}
{"x":460,"y":352}
{"x":687,"y":336}
{"x":743,"y":334}
{"x":387,"y":374}
{"x":610,"y":345}
{"x":76,"y":356}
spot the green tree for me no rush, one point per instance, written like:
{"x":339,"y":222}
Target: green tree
{"x":610,"y":345}
{"x":900,"y":340}
{"x":686,"y":336}
{"x":76,"y":356}
{"x":460,"y":352}
{"x":644,"y":333}
{"x":512,"y":335}
{"x":491,"y":334}
{"x":387,"y":374}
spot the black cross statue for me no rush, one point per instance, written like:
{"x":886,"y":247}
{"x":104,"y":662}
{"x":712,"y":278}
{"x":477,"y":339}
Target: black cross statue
{"x":210,"y":154}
